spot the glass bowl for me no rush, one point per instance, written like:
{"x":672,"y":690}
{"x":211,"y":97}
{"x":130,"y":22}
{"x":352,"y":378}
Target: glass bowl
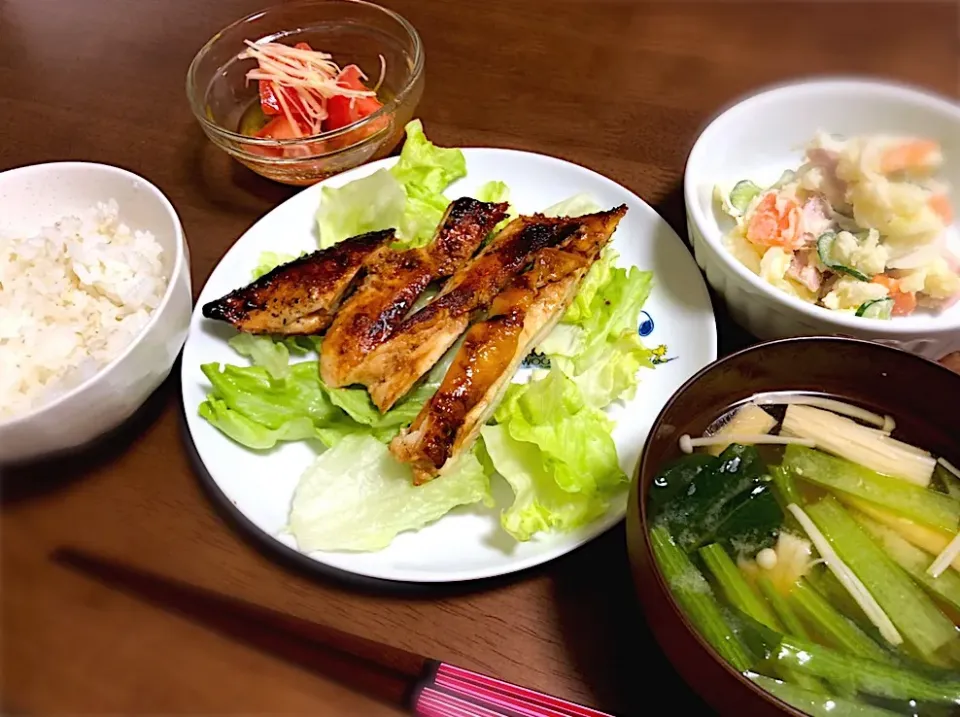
{"x":353,"y":32}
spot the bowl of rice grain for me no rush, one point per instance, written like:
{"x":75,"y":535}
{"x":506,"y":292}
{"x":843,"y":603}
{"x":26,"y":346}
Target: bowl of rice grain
{"x":95,"y":302}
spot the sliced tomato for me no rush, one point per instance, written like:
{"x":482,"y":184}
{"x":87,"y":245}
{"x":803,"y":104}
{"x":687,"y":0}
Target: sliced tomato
{"x":268,"y":99}
{"x":268,"y":93}
{"x":280,"y":128}
{"x":277,"y":128}
{"x":343,"y":111}
{"x":351,"y":77}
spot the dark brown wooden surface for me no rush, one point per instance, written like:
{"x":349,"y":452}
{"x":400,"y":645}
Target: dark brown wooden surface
{"x":622,"y":87}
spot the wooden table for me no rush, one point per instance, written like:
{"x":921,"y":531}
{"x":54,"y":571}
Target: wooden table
{"x":622,"y":87}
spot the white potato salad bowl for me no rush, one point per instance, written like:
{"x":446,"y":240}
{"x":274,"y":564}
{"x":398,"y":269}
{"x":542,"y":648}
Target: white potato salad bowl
{"x":760,"y":137}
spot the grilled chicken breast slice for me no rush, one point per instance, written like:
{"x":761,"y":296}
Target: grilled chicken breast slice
{"x":492,"y":350}
{"x":300,"y":297}
{"x":394,"y":281}
{"x":520,"y":317}
{"x":395,"y":366}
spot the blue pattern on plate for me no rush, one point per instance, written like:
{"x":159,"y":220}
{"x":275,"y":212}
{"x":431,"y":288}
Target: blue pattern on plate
{"x":658,"y":354}
{"x":646,"y":324}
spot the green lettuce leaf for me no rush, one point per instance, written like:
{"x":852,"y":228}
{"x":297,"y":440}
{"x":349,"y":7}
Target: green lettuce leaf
{"x":425,"y":171}
{"x":556,"y":452}
{"x":573,"y":436}
{"x":540,"y":504}
{"x":273,"y":352}
{"x":364,"y":205}
{"x":575,"y":206}
{"x":424,"y":165}
{"x":496,"y":191}
{"x":596,"y":343}
{"x":264,"y":351}
{"x":244,"y":397}
{"x":357,"y":497}
{"x":257,"y":410}
{"x":251,"y":434}
{"x":613,"y":377}
{"x":408,"y":197}
{"x":493,"y":191}
{"x":270,"y":260}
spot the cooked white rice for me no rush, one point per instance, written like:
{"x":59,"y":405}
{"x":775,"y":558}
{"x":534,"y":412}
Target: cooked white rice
{"x":72,"y":299}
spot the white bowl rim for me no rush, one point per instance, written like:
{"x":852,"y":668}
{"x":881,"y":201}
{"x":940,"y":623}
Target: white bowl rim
{"x":771,"y":93}
{"x":178,"y":262}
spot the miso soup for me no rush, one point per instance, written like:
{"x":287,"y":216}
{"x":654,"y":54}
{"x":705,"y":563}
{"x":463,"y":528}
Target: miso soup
{"x":817,"y":553}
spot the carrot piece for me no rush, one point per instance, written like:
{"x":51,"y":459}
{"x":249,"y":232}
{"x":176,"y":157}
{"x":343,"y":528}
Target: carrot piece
{"x":774,"y":224}
{"x":940,"y":203}
{"x":904,"y":302}
{"x":913,"y":154}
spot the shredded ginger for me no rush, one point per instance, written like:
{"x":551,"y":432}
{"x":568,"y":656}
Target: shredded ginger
{"x":301,"y":79}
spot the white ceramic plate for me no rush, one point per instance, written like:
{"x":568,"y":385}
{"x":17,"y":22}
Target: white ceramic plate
{"x":467,"y":543}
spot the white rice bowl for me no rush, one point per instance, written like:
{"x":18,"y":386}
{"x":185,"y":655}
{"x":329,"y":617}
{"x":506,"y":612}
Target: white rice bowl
{"x":72,"y":299}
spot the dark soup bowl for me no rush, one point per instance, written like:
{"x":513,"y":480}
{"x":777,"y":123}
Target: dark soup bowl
{"x":812,"y":566}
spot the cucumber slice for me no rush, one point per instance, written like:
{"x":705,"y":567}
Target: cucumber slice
{"x":825,"y":251}
{"x":788,"y":176}
{"x":876,"y":308}
{"x":742,"y":194}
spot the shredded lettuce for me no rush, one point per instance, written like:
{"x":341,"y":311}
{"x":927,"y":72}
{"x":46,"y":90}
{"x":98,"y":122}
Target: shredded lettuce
{"x":408,"y":197}
{"x":556,"y":452}
{"x":357,"y":497}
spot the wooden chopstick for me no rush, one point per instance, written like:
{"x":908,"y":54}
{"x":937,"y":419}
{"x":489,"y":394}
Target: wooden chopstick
{"x":390,"y":674}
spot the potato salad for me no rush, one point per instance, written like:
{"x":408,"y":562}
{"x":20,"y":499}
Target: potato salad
{"x":860,"y":227}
